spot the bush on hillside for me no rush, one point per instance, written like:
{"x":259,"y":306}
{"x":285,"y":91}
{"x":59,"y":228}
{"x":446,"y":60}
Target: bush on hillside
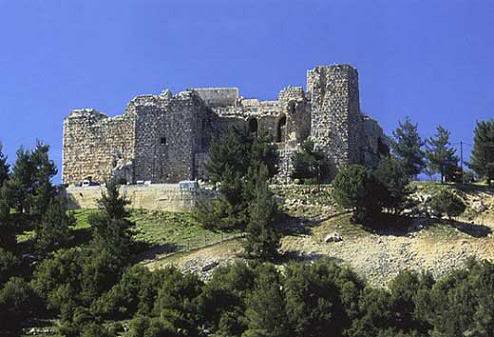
{"x":447,"y":203}
{"x":355,"y":188}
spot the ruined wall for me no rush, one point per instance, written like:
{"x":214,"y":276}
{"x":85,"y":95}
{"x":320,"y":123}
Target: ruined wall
{"x":94,"y":144}
{"x":372,"y":136}
{"x":296,"y":110}
{"x":165,"y":138}
{"x":218,"y":96}
{"x":336,"y":118}
{"x":169,"y":131}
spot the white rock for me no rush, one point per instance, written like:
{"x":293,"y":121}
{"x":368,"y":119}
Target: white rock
{"x":333,"y":237}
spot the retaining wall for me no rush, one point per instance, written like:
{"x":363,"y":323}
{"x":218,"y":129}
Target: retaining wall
{"x":164,"y":197}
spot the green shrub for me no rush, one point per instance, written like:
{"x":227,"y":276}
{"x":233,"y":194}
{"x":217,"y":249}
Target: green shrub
{"x":447,"y":202}
{"x":354,"y":187}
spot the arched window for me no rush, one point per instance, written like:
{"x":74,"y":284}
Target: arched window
{"x":253,"y":125}
{"x":281,"y":129}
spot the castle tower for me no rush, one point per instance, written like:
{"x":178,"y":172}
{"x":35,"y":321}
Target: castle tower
{"x":335,"y":112}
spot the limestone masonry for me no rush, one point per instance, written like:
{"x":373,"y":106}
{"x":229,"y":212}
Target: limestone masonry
{"x":165,"y":138}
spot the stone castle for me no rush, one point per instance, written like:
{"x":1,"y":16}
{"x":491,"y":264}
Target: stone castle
{"x":165,"y":138}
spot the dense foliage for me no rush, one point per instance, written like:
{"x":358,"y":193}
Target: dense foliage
{"x":242,"y":164}
{"x":368,"y":192}
{"x":303,"y":300}
{"x":354,"y":187}
{"x":310,"y":164}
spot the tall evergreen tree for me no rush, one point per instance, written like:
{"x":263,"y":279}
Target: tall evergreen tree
{"x":312,"y":301}
{"x":354,"y":187}
{"x":29,"y":188}
{"x":112,"y":230}
{"x":232,"y":159}
{"x":408,"y":147}
{"x":482,"y":159}
{"x":262,"y":239}
{"x":20,"y":184}
{"x":44,"y":170}
{"x":439,"y":152}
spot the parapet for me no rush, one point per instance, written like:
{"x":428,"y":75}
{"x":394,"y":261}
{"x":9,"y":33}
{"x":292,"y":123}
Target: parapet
{"x":218,"y":96}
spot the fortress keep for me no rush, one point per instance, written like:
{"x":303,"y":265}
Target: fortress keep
{"x":165,"y":138}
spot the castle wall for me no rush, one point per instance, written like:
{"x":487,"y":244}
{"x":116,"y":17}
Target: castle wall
{"x":372,"y":135}
{"x":94,"y":143}
{"x":169,"y":131}
{"x":336,"y":118}
{"x":218,"y":96}
{"x":165,"y":138}
{"x":296,"y":109}
{"x":163,"y":197}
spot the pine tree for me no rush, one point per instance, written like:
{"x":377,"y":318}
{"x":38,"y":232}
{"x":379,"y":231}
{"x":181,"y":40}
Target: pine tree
{"x":309,"y":163}
{"x":439,"y":153}
{"x":4,"y":167}
{"x":266,"y":313}
{"x":408,"y":148}
{"x":262,"y":239}
{"x":44,"y":170}
{"x":53,"y":232}
{"x":482,"y":159}
{"x":29,"y":188}
{"x":20,"y":185}
{"x":390,"y":174}
{"x":354,"y":187}
{"x":231,"y":151}
{"x":264,"y":152}
{"x":112,"y":230}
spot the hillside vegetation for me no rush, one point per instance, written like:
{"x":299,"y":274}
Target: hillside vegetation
{"x":401,"y":243}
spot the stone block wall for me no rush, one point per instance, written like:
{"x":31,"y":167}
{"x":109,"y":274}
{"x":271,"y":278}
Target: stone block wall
{"x":163,"y":197}
{"x":335,"y":112}
{"x":371,"y":141}
{"x":94,"y":144}
{"x":169,"y":130}
{"x":296,"y":111}
{"x":218,"y":96}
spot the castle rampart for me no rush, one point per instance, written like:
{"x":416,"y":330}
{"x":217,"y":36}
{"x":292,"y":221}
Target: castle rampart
{"x":165,"y":138}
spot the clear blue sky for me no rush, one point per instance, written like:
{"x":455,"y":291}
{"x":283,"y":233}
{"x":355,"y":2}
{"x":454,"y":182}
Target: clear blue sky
{"x":430,"y":60}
